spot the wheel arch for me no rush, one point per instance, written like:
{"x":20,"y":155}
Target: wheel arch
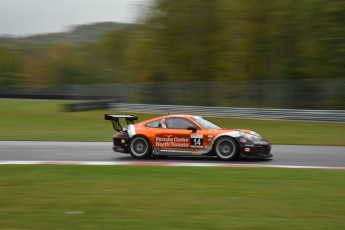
{"x":140,"y":135}
{"x":233,"y":135}
{"x":149,"y":146}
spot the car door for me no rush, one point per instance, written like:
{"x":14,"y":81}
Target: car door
{"x":177,"y":136}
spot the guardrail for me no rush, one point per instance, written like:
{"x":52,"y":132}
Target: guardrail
{"x":231,"y":112}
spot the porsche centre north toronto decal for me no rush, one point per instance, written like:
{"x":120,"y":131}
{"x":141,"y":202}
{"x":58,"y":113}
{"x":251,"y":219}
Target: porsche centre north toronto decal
{"x":174,"y":141}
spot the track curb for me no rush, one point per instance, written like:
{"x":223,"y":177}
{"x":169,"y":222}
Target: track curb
{"x":169,"y":164}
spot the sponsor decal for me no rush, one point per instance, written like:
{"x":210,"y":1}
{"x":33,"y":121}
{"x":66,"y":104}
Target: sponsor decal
{"x":243,"y":140}
{"x":171,"y":141}
{"x":176,"y":141}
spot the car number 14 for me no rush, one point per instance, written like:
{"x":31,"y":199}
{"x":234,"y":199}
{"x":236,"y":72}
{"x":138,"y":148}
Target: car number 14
{"x":196,"y":140}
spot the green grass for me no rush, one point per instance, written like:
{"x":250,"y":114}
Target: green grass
{"x":45,"y":120}
{"x":122,"y":197}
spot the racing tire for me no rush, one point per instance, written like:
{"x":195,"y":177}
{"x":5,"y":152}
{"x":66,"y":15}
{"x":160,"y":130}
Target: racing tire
{"x":140,"y":147}
{"x":226,"y":148}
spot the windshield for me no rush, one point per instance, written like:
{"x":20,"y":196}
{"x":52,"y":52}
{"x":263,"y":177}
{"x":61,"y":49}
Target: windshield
{"x":205,"y":123}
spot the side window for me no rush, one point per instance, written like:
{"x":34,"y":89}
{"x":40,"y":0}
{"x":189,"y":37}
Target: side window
{"x":179,"y":123}
{"x":153,"y":124}
{"x":157,"y":124}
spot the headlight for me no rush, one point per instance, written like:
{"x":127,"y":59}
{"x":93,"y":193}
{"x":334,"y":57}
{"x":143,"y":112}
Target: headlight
{"x":254,"y":133}
{"x":251,"y":136}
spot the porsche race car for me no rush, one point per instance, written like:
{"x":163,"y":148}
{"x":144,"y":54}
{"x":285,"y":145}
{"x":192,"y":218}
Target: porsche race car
{"x":185,"y":135}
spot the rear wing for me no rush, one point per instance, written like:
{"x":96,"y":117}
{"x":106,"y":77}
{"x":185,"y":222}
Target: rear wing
{"x":115,"y":120}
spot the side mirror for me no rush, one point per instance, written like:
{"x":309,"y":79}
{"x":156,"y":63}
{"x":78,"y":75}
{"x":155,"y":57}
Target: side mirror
{"x":193,"y":129}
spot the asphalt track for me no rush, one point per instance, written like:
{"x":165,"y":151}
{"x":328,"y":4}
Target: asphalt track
{"x":284,"y":155}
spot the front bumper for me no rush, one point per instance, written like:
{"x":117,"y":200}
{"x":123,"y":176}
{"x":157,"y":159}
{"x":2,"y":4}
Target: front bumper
{"x":260,"y":150}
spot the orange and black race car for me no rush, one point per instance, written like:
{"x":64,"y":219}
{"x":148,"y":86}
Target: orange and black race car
{"x":185,"y":135}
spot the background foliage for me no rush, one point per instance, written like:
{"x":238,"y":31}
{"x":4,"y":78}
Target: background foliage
{"x":176,"y":41}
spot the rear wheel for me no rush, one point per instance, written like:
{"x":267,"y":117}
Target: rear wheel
{"x":140,"y":147}
{"x":226,"y":148}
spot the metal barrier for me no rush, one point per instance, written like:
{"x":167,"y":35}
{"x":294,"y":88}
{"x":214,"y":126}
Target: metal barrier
{"x":319,"y":94}
{"x":242,"y":113}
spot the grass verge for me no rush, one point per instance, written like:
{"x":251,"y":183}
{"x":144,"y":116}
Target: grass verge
{"x":122,"y":197}
{"x":46,"y":121}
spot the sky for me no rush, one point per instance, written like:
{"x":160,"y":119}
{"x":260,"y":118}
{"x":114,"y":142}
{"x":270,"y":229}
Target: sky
{"x":28,"y":17}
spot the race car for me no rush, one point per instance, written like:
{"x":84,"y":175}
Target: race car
{"x":185,"y":135}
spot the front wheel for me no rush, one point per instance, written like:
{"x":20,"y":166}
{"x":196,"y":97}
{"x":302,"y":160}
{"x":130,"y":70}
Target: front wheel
{"x":226,"y":148}
{"x":140,"y":147}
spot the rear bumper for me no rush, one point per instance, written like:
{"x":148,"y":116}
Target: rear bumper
{"x":120,"y":144}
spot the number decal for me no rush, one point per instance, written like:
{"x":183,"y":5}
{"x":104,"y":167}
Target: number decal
{"x":196,"y":140}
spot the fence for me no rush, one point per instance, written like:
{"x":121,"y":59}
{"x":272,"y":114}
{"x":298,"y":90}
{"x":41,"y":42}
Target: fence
{"x":282,"y":94}
{"x":244,"y":113}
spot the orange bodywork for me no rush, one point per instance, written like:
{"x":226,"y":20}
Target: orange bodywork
{"x":173,"y":138}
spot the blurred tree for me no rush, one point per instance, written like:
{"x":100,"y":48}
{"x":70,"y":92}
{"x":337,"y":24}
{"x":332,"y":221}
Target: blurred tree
{"x":176,"y":42}
{"x":229,"y":39}
{"x":66,"y":66}
{"x":111,"y":51}
{"x":10,"y":66}
{"x":194,"y":41}
{"x":323,"y":41}
{"x":34,"y":66}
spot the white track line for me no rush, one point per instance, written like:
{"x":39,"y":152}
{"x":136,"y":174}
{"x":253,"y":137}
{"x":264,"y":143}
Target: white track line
{"x":157,"y":163}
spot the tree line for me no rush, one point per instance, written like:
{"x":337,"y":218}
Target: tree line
{"x":195,"y":40}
